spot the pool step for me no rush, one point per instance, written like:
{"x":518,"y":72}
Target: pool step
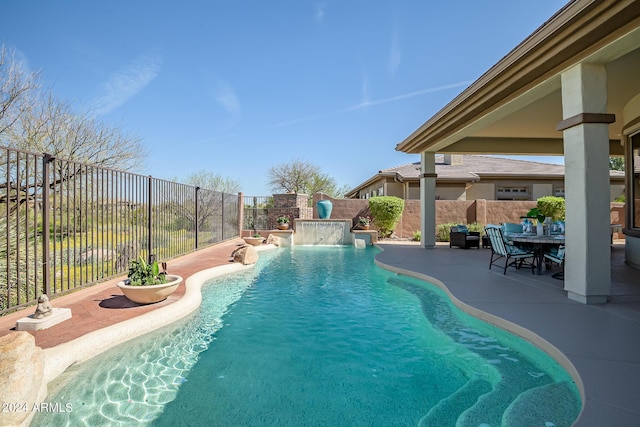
{"x":533,"y":406}
{"x":489,"y":408}
{"x":446,"y":412}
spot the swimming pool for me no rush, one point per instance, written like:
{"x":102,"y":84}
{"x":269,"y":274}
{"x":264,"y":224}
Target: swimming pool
{"x":320,"y":336}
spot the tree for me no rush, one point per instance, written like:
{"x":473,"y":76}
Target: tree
{"x":210,"y":198}
{"x":301,"y":177}
{"x":212,"y":181}
{"x":33,"y":119}
{"x":616,"y":163}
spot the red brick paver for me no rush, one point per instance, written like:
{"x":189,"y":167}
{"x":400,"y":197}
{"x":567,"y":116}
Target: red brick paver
{"x":104,"y":304}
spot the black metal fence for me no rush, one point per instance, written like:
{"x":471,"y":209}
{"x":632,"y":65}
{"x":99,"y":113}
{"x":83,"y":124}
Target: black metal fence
{"x":65,"y":225}
{"x":261,"y":213}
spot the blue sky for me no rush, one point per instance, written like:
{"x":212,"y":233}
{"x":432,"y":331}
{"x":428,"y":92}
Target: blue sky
{"x":235,"y":87}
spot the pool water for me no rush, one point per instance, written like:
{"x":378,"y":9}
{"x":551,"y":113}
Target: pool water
{"x":320,"y":336}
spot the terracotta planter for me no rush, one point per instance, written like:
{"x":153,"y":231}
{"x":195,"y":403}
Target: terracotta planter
{"x":152,"y":293}
{"x":254,"y":241}
{"x":284,"y":226}
{"x":363,"y":227}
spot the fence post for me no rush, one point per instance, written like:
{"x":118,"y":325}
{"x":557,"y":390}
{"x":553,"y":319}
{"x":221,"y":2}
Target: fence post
{"x":222,"y":216}
{"x":46,"y":224}
{"x":197,"y":225}
{"x":149,"y":222}
{"x":240,"y":213}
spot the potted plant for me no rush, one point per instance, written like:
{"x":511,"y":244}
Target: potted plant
{"x":283,"y":222}
{"x":363,"y":222}
{"x":536,"y":213}
{"x":254,"y":240}
{"x":147,"y":284}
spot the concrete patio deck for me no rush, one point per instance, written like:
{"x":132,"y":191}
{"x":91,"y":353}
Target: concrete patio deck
{"x":601,"y":341}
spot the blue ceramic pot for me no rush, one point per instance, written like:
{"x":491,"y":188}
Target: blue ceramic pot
{"x":324,"y":209}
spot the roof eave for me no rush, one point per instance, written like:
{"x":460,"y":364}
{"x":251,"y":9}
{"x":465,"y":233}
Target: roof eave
{"x":576,"y":31}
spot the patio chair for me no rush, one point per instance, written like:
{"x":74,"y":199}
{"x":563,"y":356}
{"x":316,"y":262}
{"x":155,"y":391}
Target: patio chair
{"x":460,"y":236}
{"x":514,"y":255}
{"x":556,"y":255}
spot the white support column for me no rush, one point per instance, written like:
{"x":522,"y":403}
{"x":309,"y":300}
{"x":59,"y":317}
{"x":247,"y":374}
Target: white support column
{"x":428,"y":199}
{"x":587,"y":275}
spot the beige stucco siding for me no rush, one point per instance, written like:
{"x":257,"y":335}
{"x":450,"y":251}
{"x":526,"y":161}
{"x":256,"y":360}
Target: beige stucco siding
{"x":482,"y":191}
{"x":542,"y":190}
{"x":451,"y":192}
{"x":395,"y":189}
{"x":414,"y":191}
{"x":617,"y":190}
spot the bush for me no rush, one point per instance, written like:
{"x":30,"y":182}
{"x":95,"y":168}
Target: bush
{"x":386,"y":212}
{"x":417,"y":236}
{"x":552,"y":206}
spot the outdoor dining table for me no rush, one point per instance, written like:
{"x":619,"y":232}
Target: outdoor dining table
{"x":537,"y":243}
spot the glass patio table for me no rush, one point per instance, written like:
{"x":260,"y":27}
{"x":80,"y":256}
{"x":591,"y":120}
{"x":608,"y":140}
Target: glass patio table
{"x":537,"y":243}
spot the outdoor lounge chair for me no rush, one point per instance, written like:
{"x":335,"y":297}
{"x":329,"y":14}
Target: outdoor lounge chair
{"x":556,"y":256}
{"x":514,"y":255}
{"x":461,"y":236}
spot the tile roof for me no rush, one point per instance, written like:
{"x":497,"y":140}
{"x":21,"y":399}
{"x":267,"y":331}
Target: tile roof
{"x":474,"y":166}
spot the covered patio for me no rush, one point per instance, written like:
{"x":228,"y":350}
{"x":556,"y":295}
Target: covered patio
{"x":571,"y":89}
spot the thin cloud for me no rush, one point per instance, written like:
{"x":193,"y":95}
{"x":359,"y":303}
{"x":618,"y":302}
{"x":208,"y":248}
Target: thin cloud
{"x":127,"y":82}
{"x":366,"y":104}
{"x":365,"y":90}
{"x":225,"y":95}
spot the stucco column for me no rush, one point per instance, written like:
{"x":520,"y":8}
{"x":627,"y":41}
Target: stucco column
{"x":587,"y":275}
{"x":428,"y":199}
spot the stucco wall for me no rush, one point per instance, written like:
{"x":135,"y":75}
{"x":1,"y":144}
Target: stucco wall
{"x":541,"y":190}
{"x":448,"y":211}
{"x":481,"y":190}
{"x":616,"y":191}
{"x":450,"y":192}
{"x":395,"y":189}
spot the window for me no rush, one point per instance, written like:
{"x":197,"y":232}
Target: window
{"x":381,"y":191}
{"x":558,"y":191}
{"x":635,"y":181}
{"x":513,"y":193}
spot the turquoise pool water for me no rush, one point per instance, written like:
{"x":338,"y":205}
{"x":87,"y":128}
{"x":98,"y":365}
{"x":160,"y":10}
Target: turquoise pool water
{"x":320,"y":336}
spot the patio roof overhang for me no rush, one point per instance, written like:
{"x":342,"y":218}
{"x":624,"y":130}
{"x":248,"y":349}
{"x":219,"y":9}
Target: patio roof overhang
{"x":516,"y":106}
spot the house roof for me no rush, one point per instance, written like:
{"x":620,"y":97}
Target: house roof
{"x":474,"y":168}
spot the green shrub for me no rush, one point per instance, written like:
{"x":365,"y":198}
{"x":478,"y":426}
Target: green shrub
{"x":620,"y":199}
{"x":386,"y":212}
{"x":417,"y":236}
{"x":552,"y":206}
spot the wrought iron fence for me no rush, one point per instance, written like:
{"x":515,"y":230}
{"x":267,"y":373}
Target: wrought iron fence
{"x":65,"y":225}
{"x":261,"y":213}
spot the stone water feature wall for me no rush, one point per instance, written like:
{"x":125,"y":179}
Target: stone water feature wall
{"x":292,"y":205}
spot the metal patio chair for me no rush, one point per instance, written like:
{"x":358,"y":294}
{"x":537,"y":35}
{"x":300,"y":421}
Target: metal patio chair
{"x":514,"y":255}
{"x":558,"y":258}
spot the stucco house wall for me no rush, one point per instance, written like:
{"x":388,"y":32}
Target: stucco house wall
{"x":451,"y":192}
{"x":482,"y":190}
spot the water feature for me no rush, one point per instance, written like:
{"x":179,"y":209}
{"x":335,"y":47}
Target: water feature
{"x":320,"y":336}
{"x":322,"y":232}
